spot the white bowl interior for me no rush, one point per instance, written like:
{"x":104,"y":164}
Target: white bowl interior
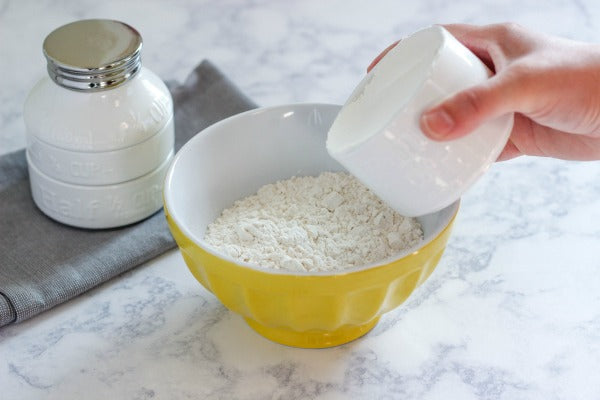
{"x":233,"y":158}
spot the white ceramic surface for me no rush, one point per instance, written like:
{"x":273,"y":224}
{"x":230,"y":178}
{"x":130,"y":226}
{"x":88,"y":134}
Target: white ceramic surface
{"x":233,"y":158}
{"x":104,"y":167}
{"x":377,"y":135}
{"x":98,"y":206}
{"x":99,"y":121}
{"x":215,"y":169}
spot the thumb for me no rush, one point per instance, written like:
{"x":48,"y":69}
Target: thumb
{"x":466,"y":110}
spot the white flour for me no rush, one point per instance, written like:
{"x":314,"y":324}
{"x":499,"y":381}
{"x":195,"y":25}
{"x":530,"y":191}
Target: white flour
{"x":323,"y":223}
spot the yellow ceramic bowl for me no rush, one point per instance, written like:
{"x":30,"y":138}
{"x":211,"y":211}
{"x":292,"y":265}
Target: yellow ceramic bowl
{"x":231,"y":160}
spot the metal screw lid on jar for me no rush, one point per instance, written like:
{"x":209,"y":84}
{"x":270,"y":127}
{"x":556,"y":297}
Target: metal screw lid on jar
{"x":94,"y":54}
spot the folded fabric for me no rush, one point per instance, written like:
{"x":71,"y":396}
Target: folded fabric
{"x":44,"y":263}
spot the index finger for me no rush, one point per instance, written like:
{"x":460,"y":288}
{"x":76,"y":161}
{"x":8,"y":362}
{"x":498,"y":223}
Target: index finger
{"x":381,"y":55}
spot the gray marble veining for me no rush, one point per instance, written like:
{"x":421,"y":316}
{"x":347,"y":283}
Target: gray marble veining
{"x":511,"y":312}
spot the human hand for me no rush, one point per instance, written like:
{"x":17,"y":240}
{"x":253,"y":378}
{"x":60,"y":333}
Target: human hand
{"x":551,"y":84}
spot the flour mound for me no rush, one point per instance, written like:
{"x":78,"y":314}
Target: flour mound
{"x":325,"y":223}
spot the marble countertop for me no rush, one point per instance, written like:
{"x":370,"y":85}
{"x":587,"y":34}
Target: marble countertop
{"x":511,"y":312}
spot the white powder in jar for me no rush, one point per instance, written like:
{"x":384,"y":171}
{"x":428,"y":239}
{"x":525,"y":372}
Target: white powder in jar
{"x":324,"y":223}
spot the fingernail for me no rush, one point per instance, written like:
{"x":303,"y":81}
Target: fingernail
{"x":437,"y":123}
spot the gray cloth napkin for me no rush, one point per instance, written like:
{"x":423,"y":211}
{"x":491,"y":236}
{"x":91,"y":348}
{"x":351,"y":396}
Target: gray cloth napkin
{"x":44,"y":263}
